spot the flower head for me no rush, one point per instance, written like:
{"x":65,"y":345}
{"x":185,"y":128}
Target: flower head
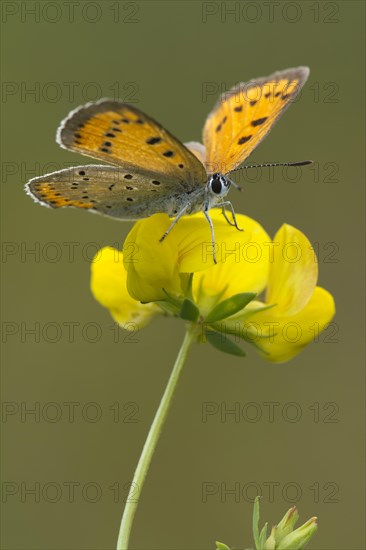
{"x":283,"y":536}
{"x":261,"y":290}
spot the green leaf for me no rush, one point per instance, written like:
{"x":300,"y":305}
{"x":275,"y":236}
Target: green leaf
{"x":255,"y":523}
{"x":263,"y":536}
{"x":168,"y":307}
{"x":299,"y":538}
{"x":189,"y":291}
{"x":270,"y":543}
{"x":189,"y":311}
{"x":229,"y":307}
{"x":220,"y":341}
{"x":172,"y":299}
{"x":287,"y":524}
{"x":221,"y":546}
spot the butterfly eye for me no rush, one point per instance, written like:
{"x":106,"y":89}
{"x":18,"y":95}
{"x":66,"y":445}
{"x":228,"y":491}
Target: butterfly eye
{"x":216,"y":185}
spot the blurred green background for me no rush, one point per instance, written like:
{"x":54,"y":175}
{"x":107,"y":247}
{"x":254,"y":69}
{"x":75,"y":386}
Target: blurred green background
{"x":164,"y":57}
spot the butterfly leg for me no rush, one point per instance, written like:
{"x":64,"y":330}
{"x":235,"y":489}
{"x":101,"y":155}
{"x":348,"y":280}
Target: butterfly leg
{"x":230,"y":206}
{"x":226,"y":217}
{"x":212,"y":235}
{"x":178,"y":216}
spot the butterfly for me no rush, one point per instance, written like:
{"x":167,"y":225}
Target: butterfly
{"x":150,"y":171}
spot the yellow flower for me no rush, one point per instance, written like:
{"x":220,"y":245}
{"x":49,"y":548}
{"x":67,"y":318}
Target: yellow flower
{"x":155,"y":277}
{"x":108,"y":284}
{"x":295,"y":310}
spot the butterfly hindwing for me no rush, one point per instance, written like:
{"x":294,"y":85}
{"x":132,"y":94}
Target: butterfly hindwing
{"x":197,"y":149}
{"x":244,"y":115}
{"x":108,"y":190}
{"x":122,"y":135}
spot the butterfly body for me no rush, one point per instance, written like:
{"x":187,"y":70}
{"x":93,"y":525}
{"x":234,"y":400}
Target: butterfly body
{"x":148,"y":170}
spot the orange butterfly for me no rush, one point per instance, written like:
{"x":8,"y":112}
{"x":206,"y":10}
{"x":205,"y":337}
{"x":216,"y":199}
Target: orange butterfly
{"x":150,"y":170}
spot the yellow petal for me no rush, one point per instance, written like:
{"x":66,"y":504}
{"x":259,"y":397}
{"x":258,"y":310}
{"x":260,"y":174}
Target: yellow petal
{"x":243,"y":256}
{"x":108,"y":285}
{"x":151,"y":265}
{"x":293,"y":272}
{"x":281,"y":337}
{"x":193,"y":236}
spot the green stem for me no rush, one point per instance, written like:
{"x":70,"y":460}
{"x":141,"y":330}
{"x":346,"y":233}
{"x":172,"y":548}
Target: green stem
{"x":152,"y":440}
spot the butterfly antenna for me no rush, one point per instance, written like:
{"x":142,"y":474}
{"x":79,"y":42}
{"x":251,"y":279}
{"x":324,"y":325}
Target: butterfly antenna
{"x":234,"y":184}
{"x":270,"y":164}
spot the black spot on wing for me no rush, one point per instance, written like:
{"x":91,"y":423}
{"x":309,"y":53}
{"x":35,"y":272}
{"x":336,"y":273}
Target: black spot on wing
{"x":244,"y":139}
{"x":259,"y":121}
{"x":153,"y":140}
{"x":218,"y":128}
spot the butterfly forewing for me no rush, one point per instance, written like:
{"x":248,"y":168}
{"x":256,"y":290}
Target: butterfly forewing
{"x":120,"y":134}
{"x":245,"y":114}
{"x":109,"y":190}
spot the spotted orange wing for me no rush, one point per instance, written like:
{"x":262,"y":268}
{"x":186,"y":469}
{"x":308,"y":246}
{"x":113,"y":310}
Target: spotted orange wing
{"x":244,"y":116}
{"x":120,"y":134}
